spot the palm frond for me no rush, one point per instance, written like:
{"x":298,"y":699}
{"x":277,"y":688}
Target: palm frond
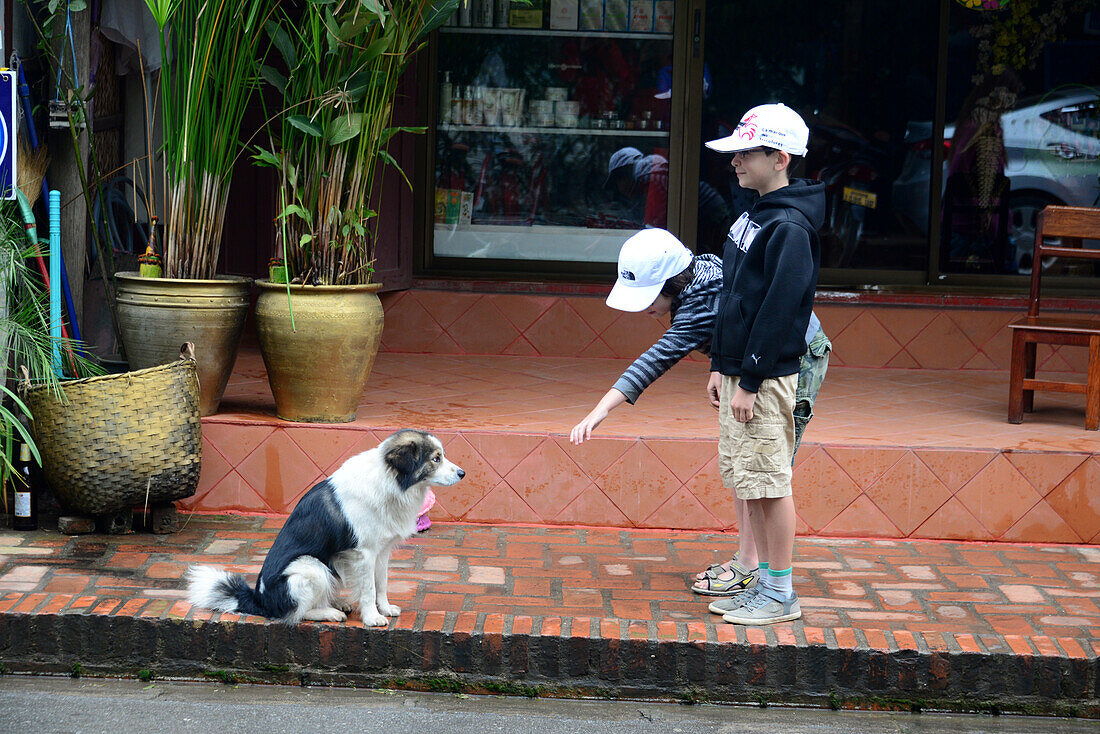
{"x":345,"y":61}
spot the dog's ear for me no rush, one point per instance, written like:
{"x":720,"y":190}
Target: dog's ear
{"x":406,"y":458}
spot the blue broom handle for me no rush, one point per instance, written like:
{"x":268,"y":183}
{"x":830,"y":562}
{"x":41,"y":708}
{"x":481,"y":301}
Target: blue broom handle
{"x":55,"y":280}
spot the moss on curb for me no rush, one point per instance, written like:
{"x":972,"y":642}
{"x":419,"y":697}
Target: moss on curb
{"x":589,"y":689}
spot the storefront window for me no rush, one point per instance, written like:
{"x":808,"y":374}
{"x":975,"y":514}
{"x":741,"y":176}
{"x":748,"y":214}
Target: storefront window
{"x":552,"y":142}
{"x":1022,"y":130}
{"x":863,"y":76}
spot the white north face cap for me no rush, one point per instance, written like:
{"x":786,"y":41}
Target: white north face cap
{"x":646,"y":261}
{"x":771,"y":125}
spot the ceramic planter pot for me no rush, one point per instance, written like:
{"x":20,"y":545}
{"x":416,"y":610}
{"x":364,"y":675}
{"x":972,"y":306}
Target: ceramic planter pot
{"x":157,"y":315}
{"x":318,"y":368}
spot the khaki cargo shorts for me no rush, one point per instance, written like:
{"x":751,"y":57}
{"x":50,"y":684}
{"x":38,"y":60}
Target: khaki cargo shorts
{"x":755,"y":457}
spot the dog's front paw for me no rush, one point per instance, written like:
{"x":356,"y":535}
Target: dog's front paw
{"x":325,"y":614}
{"x":389,"y":610}
{"x":374,"y":619}
{"x":344,"y":606}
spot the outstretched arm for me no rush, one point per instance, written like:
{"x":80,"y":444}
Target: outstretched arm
{"x":583,"y":430}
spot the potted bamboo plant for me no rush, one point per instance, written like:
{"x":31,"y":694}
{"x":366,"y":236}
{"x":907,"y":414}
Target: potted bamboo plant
{"x":210,"y":51}
{"x":343,"y":61}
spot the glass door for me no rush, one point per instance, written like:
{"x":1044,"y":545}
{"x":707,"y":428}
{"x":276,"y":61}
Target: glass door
{"x":863,"y":77}
{"x":552,"y":138}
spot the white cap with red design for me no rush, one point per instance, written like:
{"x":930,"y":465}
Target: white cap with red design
{"x":769,"y":125}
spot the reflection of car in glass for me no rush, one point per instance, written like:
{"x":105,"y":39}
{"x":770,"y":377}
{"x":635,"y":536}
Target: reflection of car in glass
{"x":1052,"y":145}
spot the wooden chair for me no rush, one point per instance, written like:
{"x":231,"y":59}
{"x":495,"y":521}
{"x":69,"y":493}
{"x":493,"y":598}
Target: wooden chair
{"x":1073,"y":223}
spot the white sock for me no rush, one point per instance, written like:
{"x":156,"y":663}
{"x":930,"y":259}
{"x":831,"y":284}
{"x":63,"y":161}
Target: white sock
{"x":780,"y":582}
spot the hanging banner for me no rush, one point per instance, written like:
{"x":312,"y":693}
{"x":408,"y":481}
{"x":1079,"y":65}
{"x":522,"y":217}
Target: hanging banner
{"x":9,"y":135}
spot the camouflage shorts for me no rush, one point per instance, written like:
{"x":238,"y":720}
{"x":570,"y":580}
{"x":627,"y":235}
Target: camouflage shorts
{"x":811,"y":373}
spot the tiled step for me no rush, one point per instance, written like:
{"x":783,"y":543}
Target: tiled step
{"x":890,"y":453}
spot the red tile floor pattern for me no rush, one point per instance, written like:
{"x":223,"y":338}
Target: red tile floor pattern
{"x":881,"y":594}
{"x":891,"y":452}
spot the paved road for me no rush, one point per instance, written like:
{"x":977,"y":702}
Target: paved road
{"x":55,"y":705}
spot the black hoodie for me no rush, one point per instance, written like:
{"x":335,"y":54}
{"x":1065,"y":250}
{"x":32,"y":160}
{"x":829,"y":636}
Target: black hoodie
{"x":769,"y":275}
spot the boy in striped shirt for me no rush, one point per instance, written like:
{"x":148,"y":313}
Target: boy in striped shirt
{"x":659,"y":275}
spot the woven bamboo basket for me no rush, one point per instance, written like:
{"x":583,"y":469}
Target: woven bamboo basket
{"x":117,"y":441}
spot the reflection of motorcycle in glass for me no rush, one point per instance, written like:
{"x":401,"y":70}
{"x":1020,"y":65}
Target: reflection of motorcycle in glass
{"x":509,"y":189}
{"x":454,"y":168}
{"x":849,"y":166}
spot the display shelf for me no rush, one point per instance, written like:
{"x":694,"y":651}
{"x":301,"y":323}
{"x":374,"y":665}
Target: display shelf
{"x":558,"y":33}
{"x":540,"y":186}
{"x":537,"y":242}
{"x":573,"y":131}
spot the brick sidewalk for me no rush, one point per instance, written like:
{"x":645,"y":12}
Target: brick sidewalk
{"x":898,"y":620}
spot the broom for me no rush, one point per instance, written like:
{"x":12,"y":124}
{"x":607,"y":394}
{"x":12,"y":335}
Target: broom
{"x":32,"y":169}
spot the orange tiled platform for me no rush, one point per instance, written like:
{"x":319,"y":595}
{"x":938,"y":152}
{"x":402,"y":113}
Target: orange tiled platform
{"x":906,"y":332}
{"x":943,"y":624}
{"x":893,"y":452}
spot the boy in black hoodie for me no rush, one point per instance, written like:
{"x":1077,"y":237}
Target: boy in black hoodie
{"x":770,"y":267}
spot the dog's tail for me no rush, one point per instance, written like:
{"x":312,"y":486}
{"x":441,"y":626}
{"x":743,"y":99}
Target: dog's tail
{"x":222,"y":591}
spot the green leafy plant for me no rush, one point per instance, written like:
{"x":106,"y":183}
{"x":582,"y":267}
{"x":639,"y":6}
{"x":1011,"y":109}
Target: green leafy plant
{"x":25,"y":340}
{"x":344,"y":60}
{"x":210,"y":50}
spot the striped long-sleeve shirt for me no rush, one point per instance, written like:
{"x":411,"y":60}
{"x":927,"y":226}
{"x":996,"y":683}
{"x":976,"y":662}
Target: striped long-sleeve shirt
{"x":693,"y":315}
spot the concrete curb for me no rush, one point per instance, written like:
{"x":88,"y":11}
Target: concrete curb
{"x":549,"y":665}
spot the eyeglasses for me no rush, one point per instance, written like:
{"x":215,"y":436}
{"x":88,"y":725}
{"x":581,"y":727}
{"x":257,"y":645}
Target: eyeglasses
{"x":745,"y":153}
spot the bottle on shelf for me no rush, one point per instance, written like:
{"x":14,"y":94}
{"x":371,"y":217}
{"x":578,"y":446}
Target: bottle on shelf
{"x":500,"y":13}
{"x":446,"y":90}
{"x":25,"y":516}
{"x":483,"y":13}
{"x":465,"y":106}
{"x":474,"y":105}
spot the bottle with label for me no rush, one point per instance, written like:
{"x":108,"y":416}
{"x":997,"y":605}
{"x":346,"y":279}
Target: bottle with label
{"x":484,"y":13}
{"x":500,"y":13}
{"x":446,"y":90}
{"x":26,"y":495}
{"x":459,"y":106}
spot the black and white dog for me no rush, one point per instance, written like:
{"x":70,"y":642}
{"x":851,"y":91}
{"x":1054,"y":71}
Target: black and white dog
{"x":340,"y":534}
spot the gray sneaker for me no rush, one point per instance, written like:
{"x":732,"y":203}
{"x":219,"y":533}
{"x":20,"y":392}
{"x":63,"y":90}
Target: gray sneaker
{"x":730,"y":603}
{"x":763,"y":609}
